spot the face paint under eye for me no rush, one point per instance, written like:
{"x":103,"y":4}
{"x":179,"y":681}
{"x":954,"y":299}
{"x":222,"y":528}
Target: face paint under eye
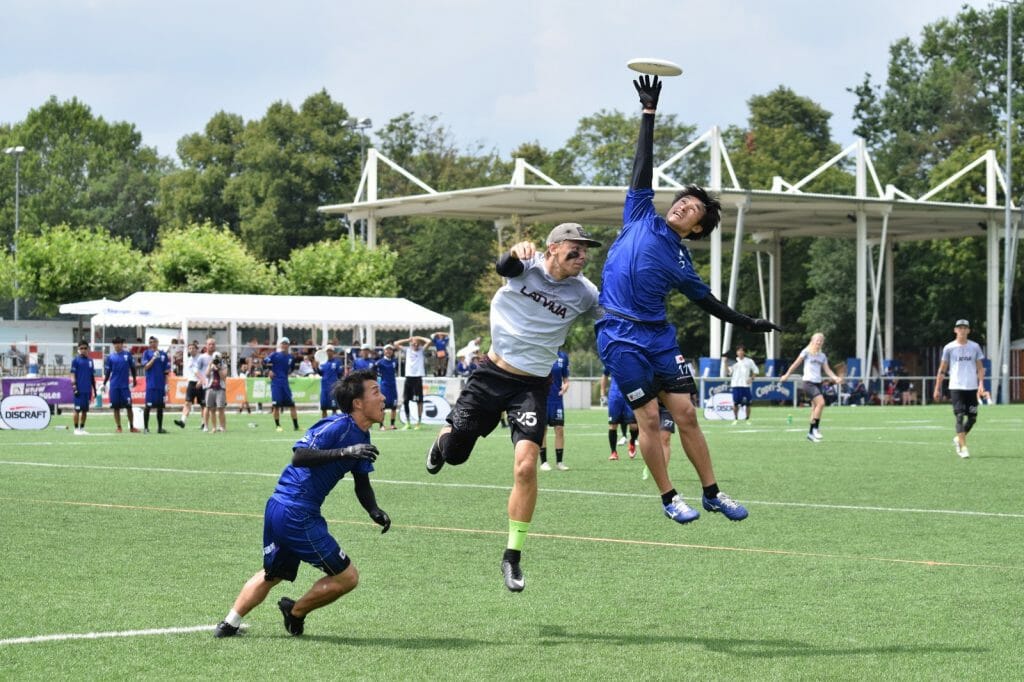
{"x":572,"y":255}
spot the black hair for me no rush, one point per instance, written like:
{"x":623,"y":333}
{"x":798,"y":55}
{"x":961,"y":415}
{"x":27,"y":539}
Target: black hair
{"x":351,"y":388}
{"x":117,"y":339}
{"x":741,"y":347}
{"x":83,"y":343}
{"x":712,"y":208}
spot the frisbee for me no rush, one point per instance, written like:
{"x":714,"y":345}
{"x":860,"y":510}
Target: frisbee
{"x":320,"y":356}
{"x":655,"y":67}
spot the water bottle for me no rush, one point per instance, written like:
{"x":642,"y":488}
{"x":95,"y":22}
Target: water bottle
{"x":789,"y":419}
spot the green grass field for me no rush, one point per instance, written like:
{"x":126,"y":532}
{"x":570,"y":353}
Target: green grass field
{"x":876,"y":554}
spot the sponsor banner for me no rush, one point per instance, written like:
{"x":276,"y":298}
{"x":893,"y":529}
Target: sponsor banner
{"x":719,"y":407}
{"x":178,"y":386}
{"x":762,"y":389}
{"x":53,"y":390}
{"x":435,"y":409}
{"x":304,"y":390}
{"x":24,"y":413}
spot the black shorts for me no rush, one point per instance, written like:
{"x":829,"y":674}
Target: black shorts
{"x":489,"y":391}
{"x":965,"y":401}
{"x":812,"y":390}
{"x":194,"y":394}
{"x":413,"y":390}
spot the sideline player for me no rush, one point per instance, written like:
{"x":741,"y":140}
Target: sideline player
{"x":414,"y":372}
{"x":619,"y":414}
{"x":116,"y":369}
{"x":531,"y":314}
{"x":330,"y":371}
{"x":157,"y":365}
{"x":387,"y":371}
{"x":634,"y":339}
{"x":280,"y":363}
{"x":814,"y":362}
{"x":193,"y":392}
{"x":85,"y":386}
{"x":294,"y":529}
{"x":742,"y":372}
{"x":556,"y":412}
{"x":963,"y":359}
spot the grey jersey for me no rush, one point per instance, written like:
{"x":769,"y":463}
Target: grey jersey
{"x":962,"y":363}
{"x":813,"y":362}
{"x":532,"y":313}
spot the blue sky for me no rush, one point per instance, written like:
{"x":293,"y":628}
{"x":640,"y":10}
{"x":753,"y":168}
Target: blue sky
{"x":495,"y":73}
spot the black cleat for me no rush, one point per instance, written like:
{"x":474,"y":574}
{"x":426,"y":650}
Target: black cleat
{"x":223,"y":629}
{"x":161,"y":431}
{"x":180,"y":424}
{"x":292,"y":624}
{"x":513,"y":575}
{"x":434,"y":458}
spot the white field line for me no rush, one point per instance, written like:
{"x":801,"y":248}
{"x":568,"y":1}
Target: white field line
{"x":104,"y":635}
{"x":505,"y":488}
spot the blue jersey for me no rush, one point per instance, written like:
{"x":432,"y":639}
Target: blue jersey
{"x":559,"y":372}
{"x":156,"y":375}
{"x":362,"y":364}
{"x":118,"y":366}
{"x":613,"y":388}
{"x":330,"y":372}
{"x":81,"y":368}
{"x":281,"y":364}
{"x":441,"y":344}
{"x":646,"y":262}
{"x":387,"y":370}
{"x":307,"y":487}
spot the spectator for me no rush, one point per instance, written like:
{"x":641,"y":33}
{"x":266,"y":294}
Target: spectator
{"x":217,"y":394}
{"x":440,"y":341}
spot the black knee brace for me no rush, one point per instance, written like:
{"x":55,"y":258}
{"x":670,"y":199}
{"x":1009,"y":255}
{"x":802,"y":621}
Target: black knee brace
{"x":971,"y":418}
{"x":456,"y":446}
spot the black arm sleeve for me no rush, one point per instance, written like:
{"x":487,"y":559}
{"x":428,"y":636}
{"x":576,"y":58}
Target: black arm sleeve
{"x":509,"y":266}
{"x":308,"y":457}
{"x":713,"y":306}
{"x":643,"y":162}
{"x":364,"y":491}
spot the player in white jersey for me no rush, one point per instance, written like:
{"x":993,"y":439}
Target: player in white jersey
{"x":415,"y":370}
{"x":530,"y":317}
{"x":742,"y":372}
{"x":814,"y":362}
{"x":963,"y":360}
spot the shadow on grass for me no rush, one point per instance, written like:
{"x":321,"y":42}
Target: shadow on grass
{"x":557,"y":635}
{"x":412,"y":643}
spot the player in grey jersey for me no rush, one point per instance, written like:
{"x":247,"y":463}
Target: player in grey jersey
{"x":962,"y":358}
{"x":530,"y":317}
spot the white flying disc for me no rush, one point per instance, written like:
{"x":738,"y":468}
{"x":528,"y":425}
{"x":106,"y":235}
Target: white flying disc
{"x":320,"y":356}
{"x":655,"y":67}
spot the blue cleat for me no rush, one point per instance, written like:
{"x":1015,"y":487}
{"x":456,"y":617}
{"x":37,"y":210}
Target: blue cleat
{"x":680,"y":512}
{"x":734,"y":511}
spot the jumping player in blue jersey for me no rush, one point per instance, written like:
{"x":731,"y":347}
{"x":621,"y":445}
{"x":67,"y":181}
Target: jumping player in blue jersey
{"x":294,"y":529}
{"x":116,"y":370}
{"x":330,"y":371}
{"x":280,"y":363}
{"x":556,"y":412}
{"x":85,"y":386}
{"x":157,"y":366}
{"x":387,"y":373}
{"x":634,"y":338}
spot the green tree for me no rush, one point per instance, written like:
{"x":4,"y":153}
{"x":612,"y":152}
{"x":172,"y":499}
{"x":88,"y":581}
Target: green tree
{"x":337,"y":268}
{"x":62,"y":264}
{"x":207,"y":258}
{"x":81,"y":170}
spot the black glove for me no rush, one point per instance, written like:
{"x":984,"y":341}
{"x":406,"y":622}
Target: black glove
{"x":649,"y":90}
{"x":381,"y":518}
{"x":361,"y":451}
{"x":764,"y":326}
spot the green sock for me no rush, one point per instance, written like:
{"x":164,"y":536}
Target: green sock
{"x":517,"y":534}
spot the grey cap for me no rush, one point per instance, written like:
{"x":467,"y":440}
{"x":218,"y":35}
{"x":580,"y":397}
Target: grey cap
{"x":962,"y":323}
{"x":571,"y":232}
{"x":366,"y":346}
{"x":284,"y":339}
{"x":389,"y":346}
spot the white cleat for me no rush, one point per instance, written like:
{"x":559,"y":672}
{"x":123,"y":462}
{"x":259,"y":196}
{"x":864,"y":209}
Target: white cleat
{"x":561,"y":466}
{"x":545,"y":467}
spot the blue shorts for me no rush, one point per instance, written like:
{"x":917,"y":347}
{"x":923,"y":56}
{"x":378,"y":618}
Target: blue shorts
{"x":82,"y":402}
{"x":644,"y":359}
{"x":618,"y":410}
{"x":121,"y":397}
{"x":293,"y":534}
{"x":155,"y":397}
{"x":556,"y":411}
{"x":327,"y":401}
{"x":741,"y":395}
{"x":390,"y":392}
{"x":281,"y":395}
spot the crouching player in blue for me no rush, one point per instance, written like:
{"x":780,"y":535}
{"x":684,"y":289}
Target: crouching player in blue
{"x":293,"y":529}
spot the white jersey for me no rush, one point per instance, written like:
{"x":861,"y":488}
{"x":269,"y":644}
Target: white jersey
{"x":813,"y":362}
{"x":202,"y":365}
{"x":414,"y":366}
{"x":962,"y":361}
{"x":190,"y":367}
{"x":743,"y":372}
{"x":531,"y":315}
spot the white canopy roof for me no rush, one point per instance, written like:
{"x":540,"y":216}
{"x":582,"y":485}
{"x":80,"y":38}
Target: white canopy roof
{"x":244,"y":310}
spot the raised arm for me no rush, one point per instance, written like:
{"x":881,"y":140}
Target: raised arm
{"x":711,"y":305}
{"x":643,"y":163}
{"x":510,"y":264}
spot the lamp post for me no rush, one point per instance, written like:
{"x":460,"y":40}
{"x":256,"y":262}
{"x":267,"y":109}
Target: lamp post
{"x":360,"y":125}
{"x":16,"y":152}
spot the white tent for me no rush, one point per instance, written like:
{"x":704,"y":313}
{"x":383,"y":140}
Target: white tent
{"x":234,"y":311}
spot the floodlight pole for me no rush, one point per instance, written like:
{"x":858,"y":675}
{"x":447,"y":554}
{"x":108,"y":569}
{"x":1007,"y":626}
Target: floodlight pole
{"x":359,"y":125}
{"x":1003,"y":396}
{"x":16,"y":152}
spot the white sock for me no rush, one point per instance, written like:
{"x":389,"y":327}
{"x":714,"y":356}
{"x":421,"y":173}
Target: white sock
{"x":233,"y":619}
